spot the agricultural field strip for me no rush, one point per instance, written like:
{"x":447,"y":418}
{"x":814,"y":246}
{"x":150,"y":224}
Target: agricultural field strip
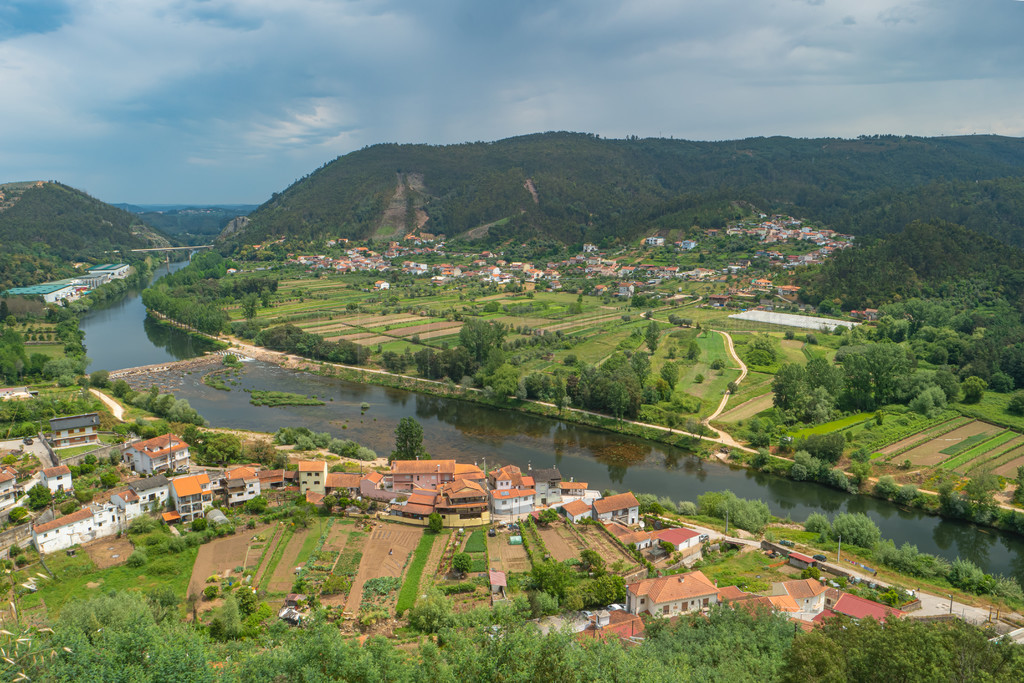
{"x":933,"y":433}
{"x":968,"y":443}
{"x":920,"y":436}
{"x":996,"y":456}
{"x":929,"y":454}
{"x":979,"y":450}
{"x":1009,"y":467}
{"x":273,"y":559}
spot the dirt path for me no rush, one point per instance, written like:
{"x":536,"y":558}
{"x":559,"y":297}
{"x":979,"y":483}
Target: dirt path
{"x":114,"y":406}
{"x":284,"y":572}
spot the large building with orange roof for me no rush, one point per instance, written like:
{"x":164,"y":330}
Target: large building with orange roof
{"x":191,"y":496}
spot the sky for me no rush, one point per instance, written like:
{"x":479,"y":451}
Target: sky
{"x":228,"y":101}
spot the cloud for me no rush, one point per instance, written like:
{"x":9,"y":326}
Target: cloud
{"x":230,"y":100}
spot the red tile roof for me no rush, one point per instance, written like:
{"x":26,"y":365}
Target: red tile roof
{"x":670,"y":588}
{"x":576,"y":508}
{"x":423,"y":467}
{"x":800,"y":557}
{"x":860,"y":608}
{"x":78,"y":516}
{"x":676,"y":536}
{"x":614,"y":503}
{"x":312,"y":466}
{"x":56,"y":471}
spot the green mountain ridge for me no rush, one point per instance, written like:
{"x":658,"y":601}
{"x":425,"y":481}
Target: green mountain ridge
{"x":46,"y":225}
{"x":574,"y":187}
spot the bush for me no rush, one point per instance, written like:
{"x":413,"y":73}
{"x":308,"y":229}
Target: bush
{"x":210,"y":592}
{"x":817,"y":523}
{"x":199,"y":524}
{"x":856,"y":529}
{"x":137,"y":559}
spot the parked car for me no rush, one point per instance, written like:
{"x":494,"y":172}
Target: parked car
{"x":491,"y":532}
{"x":27,"y":441}
{"x":820,"y":558}
{"x":616,"y":607}
{"x":704,"y":538}
{"x":788,"y":544}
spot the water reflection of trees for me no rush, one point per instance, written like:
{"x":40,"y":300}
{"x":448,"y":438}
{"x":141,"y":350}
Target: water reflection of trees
{"x":177,"y":343}
{"x":971,"y":542}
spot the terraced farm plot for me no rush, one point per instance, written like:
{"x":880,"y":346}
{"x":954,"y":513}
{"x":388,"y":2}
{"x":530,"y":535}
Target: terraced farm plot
{"x":919,"y":436}
{"x":932,"y":453}
{"x":559,"y":541}
{"x":385,"y":554}
{"x":994,"y":458}
{"x":984,"y":446}
{"x":1009,"y":467}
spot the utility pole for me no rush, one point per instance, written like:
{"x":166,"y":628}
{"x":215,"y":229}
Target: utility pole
{"x":839,"y":553}
{"x":726,"y":521}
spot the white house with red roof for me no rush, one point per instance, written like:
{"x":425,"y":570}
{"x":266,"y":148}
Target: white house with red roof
{"x":680,"y":538}
{"x":191,"y":496}
{"x":619,"y":508}
{"x":87,"y":524}
{"x":128,"y":502}
{"x":241,"y":484}
{"x":8,"y":487}
{"x":56,"y":478}
{"x":577,"y":510}
{"x":671,"y":595}
{"x":166,"y":453}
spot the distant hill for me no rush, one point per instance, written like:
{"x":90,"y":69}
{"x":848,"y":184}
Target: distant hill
{"x":45,"y":225}
{"x":576,"y":187}
{"x":192,"y":224}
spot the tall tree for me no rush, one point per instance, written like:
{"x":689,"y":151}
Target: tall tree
{"x":409,"y":441}
{"x":651,"y":335}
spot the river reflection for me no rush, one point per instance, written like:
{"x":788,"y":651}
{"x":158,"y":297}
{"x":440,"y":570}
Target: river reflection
{"x":119,"y":334}
{"x":470,"y":432}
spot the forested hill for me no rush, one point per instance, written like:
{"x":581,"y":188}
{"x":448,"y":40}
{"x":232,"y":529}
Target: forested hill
{"x":45,"y":226}
{"x":578,"y":187}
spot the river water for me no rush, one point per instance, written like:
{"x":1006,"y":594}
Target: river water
{"x":470,"y":432}
{"x":118,"y":334}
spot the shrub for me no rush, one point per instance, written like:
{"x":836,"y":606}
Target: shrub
{"x":137,"y":559}
{"x":210,"y":592}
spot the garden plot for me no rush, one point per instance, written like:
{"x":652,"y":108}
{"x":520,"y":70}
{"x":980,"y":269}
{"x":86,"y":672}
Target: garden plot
{"x":944,"y":447}
{"x":222,"y":556}
{"x":1009,"y":467}
{"x":505,"y":557}
{"x":984,"y":449}
{"x":919,"y":436}
{"x":994,"y":458}
{"x":611,"y":551}
{"x":385,"y":554}
{"x":559,"y":541}
{"x":284,"y":573}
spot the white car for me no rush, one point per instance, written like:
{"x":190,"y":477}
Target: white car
{"x":616,"y":607}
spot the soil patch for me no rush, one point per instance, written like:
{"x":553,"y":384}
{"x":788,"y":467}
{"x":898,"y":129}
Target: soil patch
{"x":929,"y":454}
{"x":222,"y":555}
{"x":284,"y":573}
{"x":914,"y":438}
{"x":109,"y":552}
{"x":560,"y":542}
{"x":385,"y":554}
{"x":505,"y":557}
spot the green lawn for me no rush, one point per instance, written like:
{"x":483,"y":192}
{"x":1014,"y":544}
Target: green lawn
{"x":75,"y":573}
{"x":75,"y":450}
{"x":833,"y":426}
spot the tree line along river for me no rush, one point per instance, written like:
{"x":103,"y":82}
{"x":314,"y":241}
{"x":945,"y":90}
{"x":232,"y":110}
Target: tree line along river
{"x":119,"y":335}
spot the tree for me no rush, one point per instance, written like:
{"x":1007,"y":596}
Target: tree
{"x":479,"y":337}
{"x":974,"y":388}
{"x":856,"y":529}
{"x":670,"y":373}
{"x":250,"y":303}
{"x":505,"y":380}
{"x":1016,"y":404}
{"x":39,"y":497}
{"x":409,"y":441}
{"x":100,"y":378}
{"x":591,"y":561}
{"x":435,"y":523}
{"x":462,"y":563}
{"x":222,"y":448}
{"x":552,"y":577}
{"x":432,"y":613}
{"x":548,"y":516}
{"x":651,"y":336}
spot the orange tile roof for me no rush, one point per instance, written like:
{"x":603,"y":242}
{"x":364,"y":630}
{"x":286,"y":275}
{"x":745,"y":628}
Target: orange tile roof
{"x":314,"y":498}
{"x":336,"y":480}
{"x":508,"y":494}
{"x":803,"y":588}
{"x":464,"y":471}
{"x":170,"y":516}
{"x":423,"y":466}
{"x":572,"y":485}
{"x":189,"y":486}
{"x":77,"y":516}
{"x":576,"y":508}
{"x":374,"y":477}
{"x":784,"y":603}
{"x":160,"y":445}
{"x":671,"y":588}
{"x":241,"y":473}
{"x":613,"y":503}
{"x":56,"y":471}
{"x":312,"y":466}
{"x":731,"y":593}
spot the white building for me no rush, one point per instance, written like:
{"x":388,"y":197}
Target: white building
{"x":8,"y":488}
{"x":129,"y":503}
{"x":167,"y":453}
{"x":191,"y":496}
{"x":76,"y":430}
{"x":670,"y":595}
{"x":621,"y":508}
{"x":241,"y":484}
{"x":153,"y":492}
{"x":655,"y":241}
{"x":56,"y":478}
{"x":86,"y":525}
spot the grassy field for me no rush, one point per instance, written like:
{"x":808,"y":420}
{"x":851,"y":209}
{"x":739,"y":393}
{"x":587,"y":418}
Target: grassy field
{"x":835,"y":425}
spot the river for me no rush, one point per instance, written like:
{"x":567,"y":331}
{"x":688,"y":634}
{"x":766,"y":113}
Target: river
{"x":470,"y":432}
{"x":118,"y":334}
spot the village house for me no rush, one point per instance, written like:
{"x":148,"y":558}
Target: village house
{"x":153,"y":492}
{"x":191,"y":496}
{"x":9,"y":488}
{"x":808,"y":594}
{"x":576,"y":511}
{"x":654,"y":242}
{"x":681,"y":539}
{"x":56,"y":478}
{"x":382,"y":285}
{"x":342,"y":484}
{"x":128,"y":502}
{"x":87,"y":524}
{"x":621,"y":508}
{"x":241,"y":484}
{"x":167,"y":453}
{"x":572,"y":490}
{"x":546,"y":482}
{"x":312,"y":476}
{"x":77,"y":430}
{"x":408,"y":474}
{"x":463,"y":502}
{"x":671,"y":595}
